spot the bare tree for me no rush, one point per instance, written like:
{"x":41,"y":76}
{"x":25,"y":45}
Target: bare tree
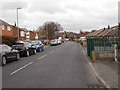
{"x":50,"y":30}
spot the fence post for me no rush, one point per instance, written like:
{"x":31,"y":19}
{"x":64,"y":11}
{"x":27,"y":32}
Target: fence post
{"x":116,"y":52}
{"x":93,"y":55}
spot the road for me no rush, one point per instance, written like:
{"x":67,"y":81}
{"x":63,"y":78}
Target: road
{"x":63,"y":66}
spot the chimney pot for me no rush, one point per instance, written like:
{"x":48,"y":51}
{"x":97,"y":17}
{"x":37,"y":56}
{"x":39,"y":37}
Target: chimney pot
{"x":15,"y":23}
{"x":108,"y":26}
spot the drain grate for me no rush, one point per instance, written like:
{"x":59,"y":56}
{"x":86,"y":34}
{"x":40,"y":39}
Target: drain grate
{"x":94,"y":86}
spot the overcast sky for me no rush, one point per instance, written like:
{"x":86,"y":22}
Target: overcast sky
{"x":73,"y":15}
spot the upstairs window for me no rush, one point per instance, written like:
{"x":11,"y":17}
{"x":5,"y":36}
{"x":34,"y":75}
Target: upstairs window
{"x":8,"y":28}
{"x":3,"y":27}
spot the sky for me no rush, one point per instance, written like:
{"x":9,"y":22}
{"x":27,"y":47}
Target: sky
{"x":73,"y":15}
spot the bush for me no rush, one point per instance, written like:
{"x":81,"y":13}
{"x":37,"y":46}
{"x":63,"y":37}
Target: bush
{"x":8,"y":40}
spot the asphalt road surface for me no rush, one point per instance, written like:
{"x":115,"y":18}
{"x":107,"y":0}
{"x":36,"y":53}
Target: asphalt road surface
{"x":63,"y":66}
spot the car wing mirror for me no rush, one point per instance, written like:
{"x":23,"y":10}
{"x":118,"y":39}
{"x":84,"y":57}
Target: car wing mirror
{"x":12,"y":49}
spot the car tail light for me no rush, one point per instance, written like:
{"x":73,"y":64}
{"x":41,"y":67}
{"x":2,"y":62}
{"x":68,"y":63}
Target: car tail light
{"x":23,"y":47}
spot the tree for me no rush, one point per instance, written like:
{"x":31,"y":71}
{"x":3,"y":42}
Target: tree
{"x":50,"y":30}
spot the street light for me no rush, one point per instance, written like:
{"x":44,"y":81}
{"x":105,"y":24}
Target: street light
{"x":17,"y":22}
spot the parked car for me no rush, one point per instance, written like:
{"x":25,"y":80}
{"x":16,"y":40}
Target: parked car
{"x":54,"y":42}
{"x":38,"y":45}
{"x":25,"y":48}
{"x":59,"y":41}
{"x":82,"y":38}
{"x":66,"y":39}
{"x":62,"y":41}
{"x":8,"y":54}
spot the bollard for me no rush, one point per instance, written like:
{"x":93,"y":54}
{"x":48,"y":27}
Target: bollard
{"x":116,"y":52}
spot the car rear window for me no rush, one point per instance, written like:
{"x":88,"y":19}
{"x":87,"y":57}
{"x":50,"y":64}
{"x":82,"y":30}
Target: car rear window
{"x":18,"y":45}
{"x":34,"y":42}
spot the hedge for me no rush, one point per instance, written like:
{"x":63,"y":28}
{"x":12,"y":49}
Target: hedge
{"x":8,"y":40}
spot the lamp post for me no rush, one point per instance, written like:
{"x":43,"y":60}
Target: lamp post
{"x":18,"y":22}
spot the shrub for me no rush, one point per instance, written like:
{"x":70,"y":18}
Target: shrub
{"x":8,"y":40}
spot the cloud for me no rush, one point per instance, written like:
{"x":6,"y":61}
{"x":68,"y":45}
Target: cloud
{"x":71,"y":14}
{"x":13,"y":5}
{"x":119,"y":12}
{"x":46,"y":7}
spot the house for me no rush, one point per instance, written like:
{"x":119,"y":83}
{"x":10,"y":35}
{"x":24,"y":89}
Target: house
{"x":102,"y":43}
{"x":5,"y":28}
{"x":31,"y":35}
{"x":16,"y":32}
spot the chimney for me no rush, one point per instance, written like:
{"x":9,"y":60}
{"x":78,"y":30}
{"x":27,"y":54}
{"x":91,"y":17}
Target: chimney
{"x":108,"y":26}
{"x":104,"y":28}
{"x":15,"y":23}
{"x":119,"y":26}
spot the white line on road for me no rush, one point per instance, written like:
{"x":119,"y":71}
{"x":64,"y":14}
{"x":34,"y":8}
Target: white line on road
{"x":43,"y":56}
{"x":51,"y":52}
{"x":84,"y":52}
{"x":21,"y":68}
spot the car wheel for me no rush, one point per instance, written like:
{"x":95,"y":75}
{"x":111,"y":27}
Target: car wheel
{"x":27,"y":53}
{"x":4,"y":61}
{"x":39,"y":50}
{"x":43,"y":49}
{"x":18,"y":56}
{"x":35,"y":51}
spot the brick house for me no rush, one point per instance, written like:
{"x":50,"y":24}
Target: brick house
{"x":5,"y":28}
{"x":14,"y":31}
{"x":22,"y":34}
{"x":32,"y":35}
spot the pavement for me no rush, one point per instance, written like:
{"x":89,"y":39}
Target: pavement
{"x":63,"y":66}
{"x":107,"y":71}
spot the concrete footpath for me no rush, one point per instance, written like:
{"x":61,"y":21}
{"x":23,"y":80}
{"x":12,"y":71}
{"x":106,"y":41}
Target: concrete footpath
{"x":107,"y":71}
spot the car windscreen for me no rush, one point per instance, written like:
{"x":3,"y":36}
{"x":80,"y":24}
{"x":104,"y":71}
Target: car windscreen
{"x":36,"y":42}
{"x":18,"y":45}
{"x":0,"y":48}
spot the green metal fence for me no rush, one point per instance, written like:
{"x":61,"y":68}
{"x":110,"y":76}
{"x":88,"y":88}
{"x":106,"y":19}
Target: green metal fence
{"x":101,"y":45}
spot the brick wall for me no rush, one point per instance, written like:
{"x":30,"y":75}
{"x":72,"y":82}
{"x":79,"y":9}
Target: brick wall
{"x":14,"y":31}
{"x":6,"y":30}
{"x":32,"y":35}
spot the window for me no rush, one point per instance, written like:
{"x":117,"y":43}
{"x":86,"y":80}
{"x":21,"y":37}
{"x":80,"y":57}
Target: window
{"x":8,"y":28}
{"x":8,"y":48}
{"x":3,"y":27}
{"x":22,"y":33}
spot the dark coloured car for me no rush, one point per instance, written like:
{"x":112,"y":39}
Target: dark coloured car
{"x":8,"y":54}
{"x":25,"y":48}
{"x":38,"y":45}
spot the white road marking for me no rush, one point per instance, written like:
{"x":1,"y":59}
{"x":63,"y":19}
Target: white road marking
{"x":84,"y":52}
{"x":42,"y":56}
{"x":21,"y":68}
{"x":51,"y":52}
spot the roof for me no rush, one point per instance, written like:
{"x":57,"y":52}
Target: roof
{"x":92,"y":33}
{"x":108,"y":32}
{"x":4,"y":23}
{"x":113,"y":31}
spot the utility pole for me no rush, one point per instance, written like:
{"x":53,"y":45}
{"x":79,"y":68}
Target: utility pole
{"x":18,"y":22}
